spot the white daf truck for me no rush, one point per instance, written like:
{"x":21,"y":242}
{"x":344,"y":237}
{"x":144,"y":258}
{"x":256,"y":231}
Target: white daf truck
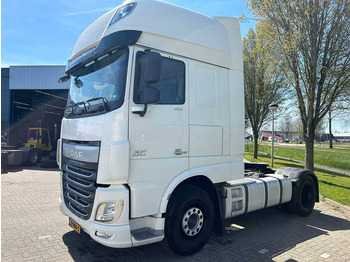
{"x":152,"y":139}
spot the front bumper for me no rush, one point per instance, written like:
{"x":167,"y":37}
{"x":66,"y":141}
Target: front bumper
{"x":119,"y":230}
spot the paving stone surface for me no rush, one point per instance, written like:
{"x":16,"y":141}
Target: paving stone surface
{"x":33,"y":229}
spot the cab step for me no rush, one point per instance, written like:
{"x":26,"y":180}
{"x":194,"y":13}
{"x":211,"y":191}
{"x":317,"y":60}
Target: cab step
{"x":146,"y":235}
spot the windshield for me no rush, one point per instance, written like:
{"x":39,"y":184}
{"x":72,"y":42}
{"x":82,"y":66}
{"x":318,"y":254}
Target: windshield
{"x":98,"y":86}
{"x":33,"y":134}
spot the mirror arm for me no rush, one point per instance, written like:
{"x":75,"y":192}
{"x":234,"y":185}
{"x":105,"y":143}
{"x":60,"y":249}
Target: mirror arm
{"x":141,"y":113}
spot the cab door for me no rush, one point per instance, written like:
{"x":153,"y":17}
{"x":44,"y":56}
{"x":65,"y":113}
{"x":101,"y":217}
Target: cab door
{"x":159,"y":141}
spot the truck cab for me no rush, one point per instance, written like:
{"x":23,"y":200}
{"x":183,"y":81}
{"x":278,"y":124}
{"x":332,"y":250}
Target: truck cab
{"x":153,"y":127}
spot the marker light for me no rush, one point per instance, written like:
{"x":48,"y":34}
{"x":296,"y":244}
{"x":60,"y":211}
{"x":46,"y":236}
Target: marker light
{"x":109,"y":211}
{"x":122,"y":12}
{"x":103,"y":234}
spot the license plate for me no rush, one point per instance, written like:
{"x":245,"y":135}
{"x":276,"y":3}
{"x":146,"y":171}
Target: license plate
{"x":74,"y":225}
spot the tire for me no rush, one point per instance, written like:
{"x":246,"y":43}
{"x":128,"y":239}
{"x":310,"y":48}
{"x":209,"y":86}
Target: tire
{"x":304,"y":197}
{"x":189,"y":220}
{"x":33,"y":157}
{"x":48,"y":164}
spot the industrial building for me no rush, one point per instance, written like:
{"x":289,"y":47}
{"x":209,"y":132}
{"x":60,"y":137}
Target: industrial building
{"x":31,"y":97}
{"x":342,"y":137}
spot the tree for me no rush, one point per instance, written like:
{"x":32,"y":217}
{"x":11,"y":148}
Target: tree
{"x":319,"y":130}
{"x":286,"y":127}
{"x":263,"y":84}
{"x":313,"y":36}
{"x":347,"y":105}
{"x":340,"y":109}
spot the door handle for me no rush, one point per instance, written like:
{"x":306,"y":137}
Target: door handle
{"x":179,"y":152}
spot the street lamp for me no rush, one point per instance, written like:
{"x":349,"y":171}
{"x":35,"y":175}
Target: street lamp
{"x":273,"y":108}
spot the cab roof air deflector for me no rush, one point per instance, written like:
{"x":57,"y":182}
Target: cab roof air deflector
{"x":114,"y":40}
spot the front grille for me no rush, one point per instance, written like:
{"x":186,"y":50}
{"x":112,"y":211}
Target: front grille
{"x":79,"y":187}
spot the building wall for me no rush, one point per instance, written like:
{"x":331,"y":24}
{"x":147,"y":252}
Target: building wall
{"x":290,"y":136}
{"x":29,"y":95}
{"x":37,"y":77}
{"x":342,"y":137}
{"x":5,"y":100}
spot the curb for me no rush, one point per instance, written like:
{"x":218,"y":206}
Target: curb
{"x":325,"y":199}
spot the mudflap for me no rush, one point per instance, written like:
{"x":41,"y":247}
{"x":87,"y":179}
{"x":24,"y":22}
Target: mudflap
{"x":296,"y":175}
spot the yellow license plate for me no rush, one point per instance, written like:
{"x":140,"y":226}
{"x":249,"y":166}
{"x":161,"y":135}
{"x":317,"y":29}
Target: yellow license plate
{"x":74,"y":225}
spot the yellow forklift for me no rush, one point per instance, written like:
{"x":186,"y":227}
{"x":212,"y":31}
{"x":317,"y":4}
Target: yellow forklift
{"x":38,"y":142}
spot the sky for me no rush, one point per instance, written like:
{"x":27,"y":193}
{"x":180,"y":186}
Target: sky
{"x":42,"y":32}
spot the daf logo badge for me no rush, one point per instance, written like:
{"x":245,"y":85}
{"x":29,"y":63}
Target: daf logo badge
{"x":76,"y":154}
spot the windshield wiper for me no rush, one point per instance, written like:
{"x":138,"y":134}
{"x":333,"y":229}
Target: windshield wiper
{"x":76,"y":105}
{"x":73,"y":111}
{"x":104,"y":100}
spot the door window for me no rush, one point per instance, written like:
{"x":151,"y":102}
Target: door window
{"x":171,"y":84}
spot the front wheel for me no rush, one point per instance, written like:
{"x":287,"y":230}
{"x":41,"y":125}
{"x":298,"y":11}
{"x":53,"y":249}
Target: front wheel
{"x":33,"y":157}
{"x":189,"y":220}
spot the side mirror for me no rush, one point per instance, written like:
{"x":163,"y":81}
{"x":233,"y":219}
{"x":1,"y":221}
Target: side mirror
{"x":150,"y":95}
{"x":78,"y":83}
{"x":63,"y":79}
{"x":152,"y":61}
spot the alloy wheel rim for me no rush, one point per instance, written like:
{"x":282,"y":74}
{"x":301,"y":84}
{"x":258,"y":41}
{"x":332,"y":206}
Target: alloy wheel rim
{"x":192,"y":221}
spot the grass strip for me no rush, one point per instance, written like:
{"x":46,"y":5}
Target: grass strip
{"x":338,"y":158}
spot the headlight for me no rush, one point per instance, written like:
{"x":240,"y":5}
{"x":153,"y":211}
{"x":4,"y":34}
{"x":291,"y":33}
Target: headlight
{"x":122,"y":12}
{"x":109,"y":211}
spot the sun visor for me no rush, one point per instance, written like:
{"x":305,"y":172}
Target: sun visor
{"x":114,"y":40}
{"x":92,"y":35}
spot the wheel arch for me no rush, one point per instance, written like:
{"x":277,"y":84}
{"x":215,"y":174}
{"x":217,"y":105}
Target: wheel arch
{"x":297,"y":174}
{"x":207,"y":185}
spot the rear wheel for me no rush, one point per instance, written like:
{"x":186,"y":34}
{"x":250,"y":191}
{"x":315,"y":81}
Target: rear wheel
{"x":304,"y":197}
{"x":189,"y":220}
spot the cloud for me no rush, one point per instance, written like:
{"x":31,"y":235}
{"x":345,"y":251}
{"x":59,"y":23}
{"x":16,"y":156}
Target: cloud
{"x":89,"y":11}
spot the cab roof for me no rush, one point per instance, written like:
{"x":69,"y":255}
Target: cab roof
{"x":170,"y":28}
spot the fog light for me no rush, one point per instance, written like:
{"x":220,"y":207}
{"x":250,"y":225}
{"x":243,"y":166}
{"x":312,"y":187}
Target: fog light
{"x":109,"y":211}
{"x":103,"y":234}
